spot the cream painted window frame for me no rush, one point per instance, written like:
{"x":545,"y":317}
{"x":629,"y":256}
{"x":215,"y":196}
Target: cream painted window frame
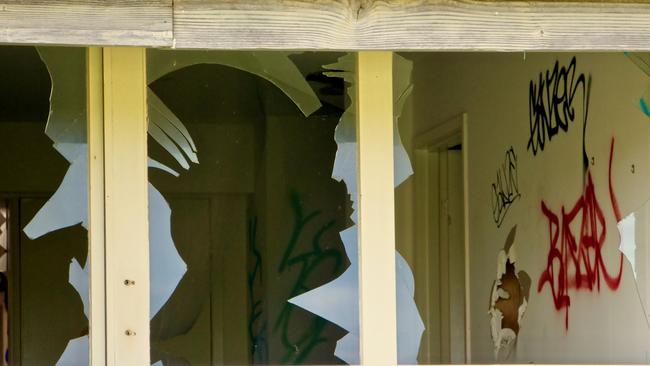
{"x":119,"y":316}
{"x":118,"y":208}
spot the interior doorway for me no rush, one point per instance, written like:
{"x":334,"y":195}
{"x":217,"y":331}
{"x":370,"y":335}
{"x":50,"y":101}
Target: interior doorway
{"x":440,"y":225}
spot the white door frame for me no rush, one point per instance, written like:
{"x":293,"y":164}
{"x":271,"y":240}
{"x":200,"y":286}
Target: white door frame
{"x":430,"y":149}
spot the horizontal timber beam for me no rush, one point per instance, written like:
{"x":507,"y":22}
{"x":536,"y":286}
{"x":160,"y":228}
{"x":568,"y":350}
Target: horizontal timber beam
{"x":87,"y":22}
{"x":399,"y":25}
{"x":412,"y":25}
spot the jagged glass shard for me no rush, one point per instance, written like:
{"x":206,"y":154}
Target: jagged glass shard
{"x":68,"y":206}
{"x":166,"y":266}
{"x":402,"y":88}
{"x":66,"y":127}
{"x":275,"y":67}
{"x":66,"y":122}
{"x":634,"y":244}
{"x":155,"y":164}
{"x":627,"y":246}
{"x":160,"y":137}
{"x":174,"y":130}
{"x":338,"y":300}
{"x":79,"y":280}
{"x":409,"y":323}
{"x":76,"y":353}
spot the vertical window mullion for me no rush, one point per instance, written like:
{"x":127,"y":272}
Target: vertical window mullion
{"x":97,"y":321}
{"x":377,"y":308}
{"x":126,"y":211}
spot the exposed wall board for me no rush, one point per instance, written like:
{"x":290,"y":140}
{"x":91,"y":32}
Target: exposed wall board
{"x":87,"y":22}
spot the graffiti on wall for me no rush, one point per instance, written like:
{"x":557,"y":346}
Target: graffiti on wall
{"x":257,"y":325}
{"x":575,"y":259}
{"x":505,"y":190}
{"x":552,"y":105}
{"x":306,"y":262}
{"x":641,"y":61}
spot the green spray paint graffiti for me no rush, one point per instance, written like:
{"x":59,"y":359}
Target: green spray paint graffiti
{"x":298,"y":347}
{"x":257,"y":325}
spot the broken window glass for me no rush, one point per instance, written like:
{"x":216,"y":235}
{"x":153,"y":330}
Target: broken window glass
{"x":251,"y":227}
{"x":43,"y":207}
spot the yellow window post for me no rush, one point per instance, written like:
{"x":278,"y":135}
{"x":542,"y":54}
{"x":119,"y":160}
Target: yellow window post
{"x":377,"y":308}
{"x":95,"y":96}
{"x":126,"y":207}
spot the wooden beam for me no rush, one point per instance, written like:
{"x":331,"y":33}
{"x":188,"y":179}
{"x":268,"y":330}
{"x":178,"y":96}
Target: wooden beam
{"x":412,"y":25}
{"x":398,"y":25}
{"x":87,"y":22}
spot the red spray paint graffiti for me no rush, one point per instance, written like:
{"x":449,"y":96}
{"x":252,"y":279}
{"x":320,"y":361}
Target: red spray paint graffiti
{"x":583,"y":253}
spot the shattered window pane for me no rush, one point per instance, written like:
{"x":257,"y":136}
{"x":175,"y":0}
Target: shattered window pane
{"x":43,"y":207}
{"x":252,"y":200}
{"x":525,"y":219}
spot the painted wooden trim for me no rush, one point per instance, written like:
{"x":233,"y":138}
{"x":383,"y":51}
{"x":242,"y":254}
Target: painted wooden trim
{"x":444,"y":260}
{"x":468,"y":313}
{"x":14,"y":255}
{"x":127,"y":226}
{"x":95,"y":95}
{"x":332,"y":24}
{"x":377,"y":293}
{"x":431,"y":228}
{"x":87,"y":22}
{"x":425,"y":223}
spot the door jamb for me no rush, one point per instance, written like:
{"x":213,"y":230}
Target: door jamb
{"x":427,"y":146}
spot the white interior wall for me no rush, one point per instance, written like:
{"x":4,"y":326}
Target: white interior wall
{"x":604,"y":326}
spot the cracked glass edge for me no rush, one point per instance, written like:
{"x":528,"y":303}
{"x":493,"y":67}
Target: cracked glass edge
{"x":343,"y":310}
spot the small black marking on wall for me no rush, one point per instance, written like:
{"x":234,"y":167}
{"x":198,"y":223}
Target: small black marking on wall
{"x":505,"y":190}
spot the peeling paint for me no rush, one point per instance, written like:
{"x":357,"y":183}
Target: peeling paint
{"x":508,"y":299}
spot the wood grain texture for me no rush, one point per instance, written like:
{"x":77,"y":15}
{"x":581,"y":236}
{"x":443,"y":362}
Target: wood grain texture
{"x":87,"y":22}
{"x":398,"y":25}
{"x":412,"y":25}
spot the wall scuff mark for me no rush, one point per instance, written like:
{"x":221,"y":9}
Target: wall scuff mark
{"x":508,"y":300}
